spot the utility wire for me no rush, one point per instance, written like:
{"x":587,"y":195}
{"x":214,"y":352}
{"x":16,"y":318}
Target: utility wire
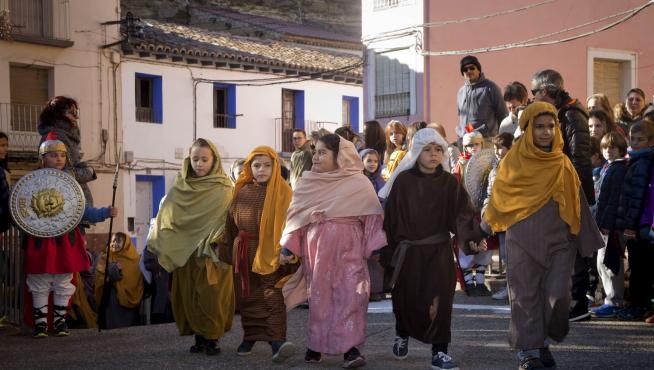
{"x":527,"y":43}
{"x":412,"y":29}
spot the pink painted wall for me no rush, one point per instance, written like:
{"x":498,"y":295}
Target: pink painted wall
{"x":443,"y":77}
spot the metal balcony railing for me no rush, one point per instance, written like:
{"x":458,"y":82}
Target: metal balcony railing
{"x":144,"y":114}
{"x":39,"y":21}
{"x":19,"y":122}
{"x":393,"y":105}
{"x":11,"y":276}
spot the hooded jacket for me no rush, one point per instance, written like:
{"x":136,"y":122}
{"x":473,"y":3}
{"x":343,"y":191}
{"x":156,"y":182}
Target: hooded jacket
{"x":480,"y":104}
{"x":634,"y":189}
{"x":576,"y":142}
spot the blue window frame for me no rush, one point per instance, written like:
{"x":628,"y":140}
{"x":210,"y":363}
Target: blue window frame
{"x":149,"y":98}
{"x":351,"y":112}
{"x":298,"y":96}
{"x":224,"y":105}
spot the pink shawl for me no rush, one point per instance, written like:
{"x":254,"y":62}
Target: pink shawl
{"x":345,"y":192}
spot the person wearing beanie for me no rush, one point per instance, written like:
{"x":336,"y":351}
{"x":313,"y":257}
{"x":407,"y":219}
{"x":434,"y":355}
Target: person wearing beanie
{"x":547,"y":86}
{"x":479,"y":101}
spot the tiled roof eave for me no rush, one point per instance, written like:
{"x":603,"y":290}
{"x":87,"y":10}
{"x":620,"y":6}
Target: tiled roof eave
{"x":231,"y":60}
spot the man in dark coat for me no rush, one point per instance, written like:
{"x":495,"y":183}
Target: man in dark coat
{"x":547,"y":86}
{"x":479,"y":101}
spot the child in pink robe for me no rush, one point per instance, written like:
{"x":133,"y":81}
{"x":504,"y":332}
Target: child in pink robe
{"x":333,"y":225}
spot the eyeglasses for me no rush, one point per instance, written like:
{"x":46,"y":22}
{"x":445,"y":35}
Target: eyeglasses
{"x":469,"y":68}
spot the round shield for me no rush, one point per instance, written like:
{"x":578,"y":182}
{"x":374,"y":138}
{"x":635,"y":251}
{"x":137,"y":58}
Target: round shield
{"x":47,"y":203}
{"x":476,"y":175}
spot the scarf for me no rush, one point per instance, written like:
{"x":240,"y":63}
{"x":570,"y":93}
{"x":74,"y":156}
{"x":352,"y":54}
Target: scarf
{"x":527,"y":178}
{"x":129,"y":290}
{"x":192,"y":216}
{"x":422,"y":137}
{"x":273,"y":217}
{"x":344,"y":192}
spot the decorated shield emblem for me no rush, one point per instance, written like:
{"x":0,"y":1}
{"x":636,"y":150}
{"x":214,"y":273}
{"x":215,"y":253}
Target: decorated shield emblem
{"x":476,"y":176}
{"x":47,"y":203}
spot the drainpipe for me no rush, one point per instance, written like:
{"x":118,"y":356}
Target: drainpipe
{"x":426,"y":87}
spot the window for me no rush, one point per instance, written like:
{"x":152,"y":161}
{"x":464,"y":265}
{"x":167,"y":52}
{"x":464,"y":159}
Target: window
{"x":29,"y":88}
{"x":40,"y":21}
{"x":148,"y":98}
{"x":392,"y":85}
{"x":351,"y":112}
{"x":387,"y":4}
{"x":224,"y":106}
{"x":611,"y":72}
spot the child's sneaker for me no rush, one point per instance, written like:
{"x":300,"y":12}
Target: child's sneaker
{"x":501,"y":294}
{"x":200,"y":344}
{"x":211,"y":347}
{"x":401,"y":348}
{"x":547,"y":358}
{"x":634,"y":313}
{"x":531,"y":363}
{"x":312,"y":356}
{"x":353,"y":359}
{"x":282,"y":350}
{"x":605,"y":311}
{"x":60,"y":328}
{"x":442,"y":361}
{"x":245,"y":348}
{"x":40,"y":330}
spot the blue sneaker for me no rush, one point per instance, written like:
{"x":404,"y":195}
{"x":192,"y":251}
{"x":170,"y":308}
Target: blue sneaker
{"x":605,"y":310}
{"x":634,"y":313}
{"x":442,"y":361}
{"x":401,"y":348}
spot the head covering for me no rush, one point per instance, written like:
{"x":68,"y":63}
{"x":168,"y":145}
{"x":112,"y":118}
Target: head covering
{"x":344,"y":192}
{"x":423,"y":137}
{"x":273,"y":216}
{"x":52,"y":144}
{"x":527,"y":178}
{"x":192,"y":216}
{"x":470,"y":59}
{"x":129,"y":290}
{"x":472,"y":137}
{"x":376,"y":177}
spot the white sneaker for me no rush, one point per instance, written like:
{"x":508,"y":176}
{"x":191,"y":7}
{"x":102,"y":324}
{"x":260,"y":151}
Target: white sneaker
{"x":501,"y":294}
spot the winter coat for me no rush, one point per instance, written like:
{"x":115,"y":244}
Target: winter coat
{"x":634,"y":189}
{"x":70,"y":136}
{"x":647,"y":219}
{"x":608,"y":197}
{"x":576,"y":143}
{"x":5,"y":216}
{"x":480,"y":104}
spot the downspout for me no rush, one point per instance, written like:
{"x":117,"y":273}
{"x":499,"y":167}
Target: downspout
{"x":426,"y":86}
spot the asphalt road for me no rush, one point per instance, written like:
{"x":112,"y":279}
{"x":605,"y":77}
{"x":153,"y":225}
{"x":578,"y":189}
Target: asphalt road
{"x":478,"y":342}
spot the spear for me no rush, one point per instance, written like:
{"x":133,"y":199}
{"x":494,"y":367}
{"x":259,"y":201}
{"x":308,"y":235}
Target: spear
{"x":106,"y":289}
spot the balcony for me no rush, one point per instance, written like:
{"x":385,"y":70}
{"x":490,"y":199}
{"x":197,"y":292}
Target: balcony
{"x":393,"y":105}
{"x":19,"y":122}
{"x":144,"y":114}
{"x":284,"y":132}
{"x":43,"y":22}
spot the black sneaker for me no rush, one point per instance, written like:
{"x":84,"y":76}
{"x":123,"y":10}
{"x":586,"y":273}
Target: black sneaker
{"x":245,"y":348}
{"x":282,"y":350}
{"x":531,"y":363}
{"x":211,"y":347}
{"x":401,"y":348}
{"x":579,"y":313}
{"x":312,"y":356}
{"x":471,"y":290}
{"x":482,"y":290}
{"x":546,"y":358}
{"x":40,"y":330}
{"x":60,"y":328}
{"x":199,"y":346}
{"x":353,"y":359}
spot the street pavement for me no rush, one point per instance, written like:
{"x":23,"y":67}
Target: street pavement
{"x":479,"y":332}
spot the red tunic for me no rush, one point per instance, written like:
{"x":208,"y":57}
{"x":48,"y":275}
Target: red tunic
{"x":60,"y":255}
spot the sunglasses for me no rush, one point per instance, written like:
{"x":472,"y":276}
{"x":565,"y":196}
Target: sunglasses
{"x":469,"y":68}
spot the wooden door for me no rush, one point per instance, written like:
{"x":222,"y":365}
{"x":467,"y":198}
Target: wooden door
{"x":288,"y":120}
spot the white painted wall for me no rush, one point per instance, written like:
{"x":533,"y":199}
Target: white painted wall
{"x":375,"y":25}
{"x":259,"y":106}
